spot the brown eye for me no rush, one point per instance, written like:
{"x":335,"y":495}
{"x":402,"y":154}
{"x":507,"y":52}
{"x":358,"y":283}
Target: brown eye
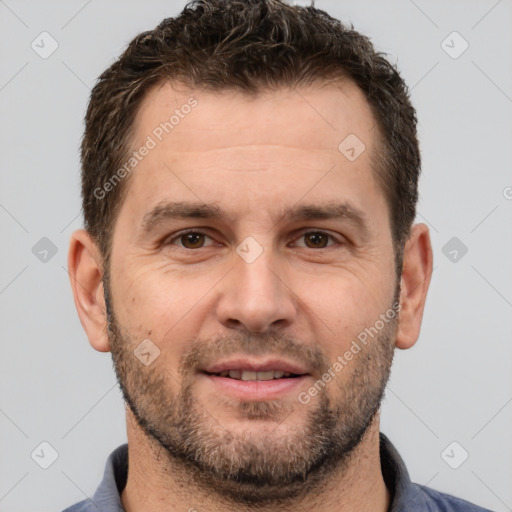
{"x":316,"y":240}
{"x":192,"y":240}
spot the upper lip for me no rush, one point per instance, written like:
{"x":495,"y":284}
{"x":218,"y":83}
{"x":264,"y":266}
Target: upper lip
{"x":243,"y":363}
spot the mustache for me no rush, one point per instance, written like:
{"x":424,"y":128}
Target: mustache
{"x":203,"y":352}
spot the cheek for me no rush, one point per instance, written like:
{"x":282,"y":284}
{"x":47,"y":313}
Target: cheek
{"x":344,"y":300}
{"x":162,"y":304}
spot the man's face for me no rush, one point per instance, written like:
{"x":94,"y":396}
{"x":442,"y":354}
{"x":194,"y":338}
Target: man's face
{"x":249,"y":243}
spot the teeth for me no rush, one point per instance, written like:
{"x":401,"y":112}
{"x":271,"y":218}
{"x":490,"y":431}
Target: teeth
{"x":251,"y":375}
{"x":265,"y":375}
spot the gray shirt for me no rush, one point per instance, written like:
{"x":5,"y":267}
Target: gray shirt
{"x":405,"y":495}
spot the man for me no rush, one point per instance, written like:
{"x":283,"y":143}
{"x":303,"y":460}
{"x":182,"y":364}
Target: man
{"x":250,"y":174}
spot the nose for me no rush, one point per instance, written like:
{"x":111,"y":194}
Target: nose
{"x":255,"y":298}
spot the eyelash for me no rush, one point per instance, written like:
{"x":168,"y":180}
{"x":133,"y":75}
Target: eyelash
{"x":174,"y":238}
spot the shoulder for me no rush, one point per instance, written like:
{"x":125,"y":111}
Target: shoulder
{"x":83,"y":506}
{"x":95,"y":506}
{"x":107,"y":496}
{"x":436,"y":501}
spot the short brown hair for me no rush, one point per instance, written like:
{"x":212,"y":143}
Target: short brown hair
{"x":250,"y":46}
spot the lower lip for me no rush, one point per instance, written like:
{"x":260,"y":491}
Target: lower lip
{"x":257,"y":389}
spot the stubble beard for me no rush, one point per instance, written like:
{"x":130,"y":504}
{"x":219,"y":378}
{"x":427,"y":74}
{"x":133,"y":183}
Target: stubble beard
{"x":276,"y":464}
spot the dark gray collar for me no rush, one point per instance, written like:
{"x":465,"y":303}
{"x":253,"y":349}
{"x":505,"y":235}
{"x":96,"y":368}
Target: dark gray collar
{"x":405,"y":495}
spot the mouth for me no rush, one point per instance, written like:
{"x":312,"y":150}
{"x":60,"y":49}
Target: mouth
{"x":250,"y":379}
{"x":247,"y":375}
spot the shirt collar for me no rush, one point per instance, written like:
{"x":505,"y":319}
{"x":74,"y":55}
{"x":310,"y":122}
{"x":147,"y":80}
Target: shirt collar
{"x":394,"y":471}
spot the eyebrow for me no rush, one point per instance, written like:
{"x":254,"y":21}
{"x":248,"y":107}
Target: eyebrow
{"x":180,"y":210}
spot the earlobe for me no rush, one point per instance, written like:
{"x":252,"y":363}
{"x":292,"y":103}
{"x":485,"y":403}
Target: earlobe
{"x":86,"y":276}
{"x":416,"y":274}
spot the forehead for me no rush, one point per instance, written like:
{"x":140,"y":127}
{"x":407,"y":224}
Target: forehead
{"x":235,"y":146}
{"x":318,"y":115}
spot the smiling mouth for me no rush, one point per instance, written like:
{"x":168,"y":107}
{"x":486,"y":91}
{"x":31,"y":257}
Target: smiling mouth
{"x":252,"y":375}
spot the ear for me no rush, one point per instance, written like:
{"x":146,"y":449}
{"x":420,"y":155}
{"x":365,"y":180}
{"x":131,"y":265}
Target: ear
{"x":416,"y":274}
{"x":86,"y":276}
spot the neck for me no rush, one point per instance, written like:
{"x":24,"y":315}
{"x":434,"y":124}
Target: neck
{"x":156,"y":484}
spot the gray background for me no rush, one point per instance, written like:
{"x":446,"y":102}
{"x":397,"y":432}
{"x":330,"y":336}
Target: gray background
{"x":454,"y":385}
